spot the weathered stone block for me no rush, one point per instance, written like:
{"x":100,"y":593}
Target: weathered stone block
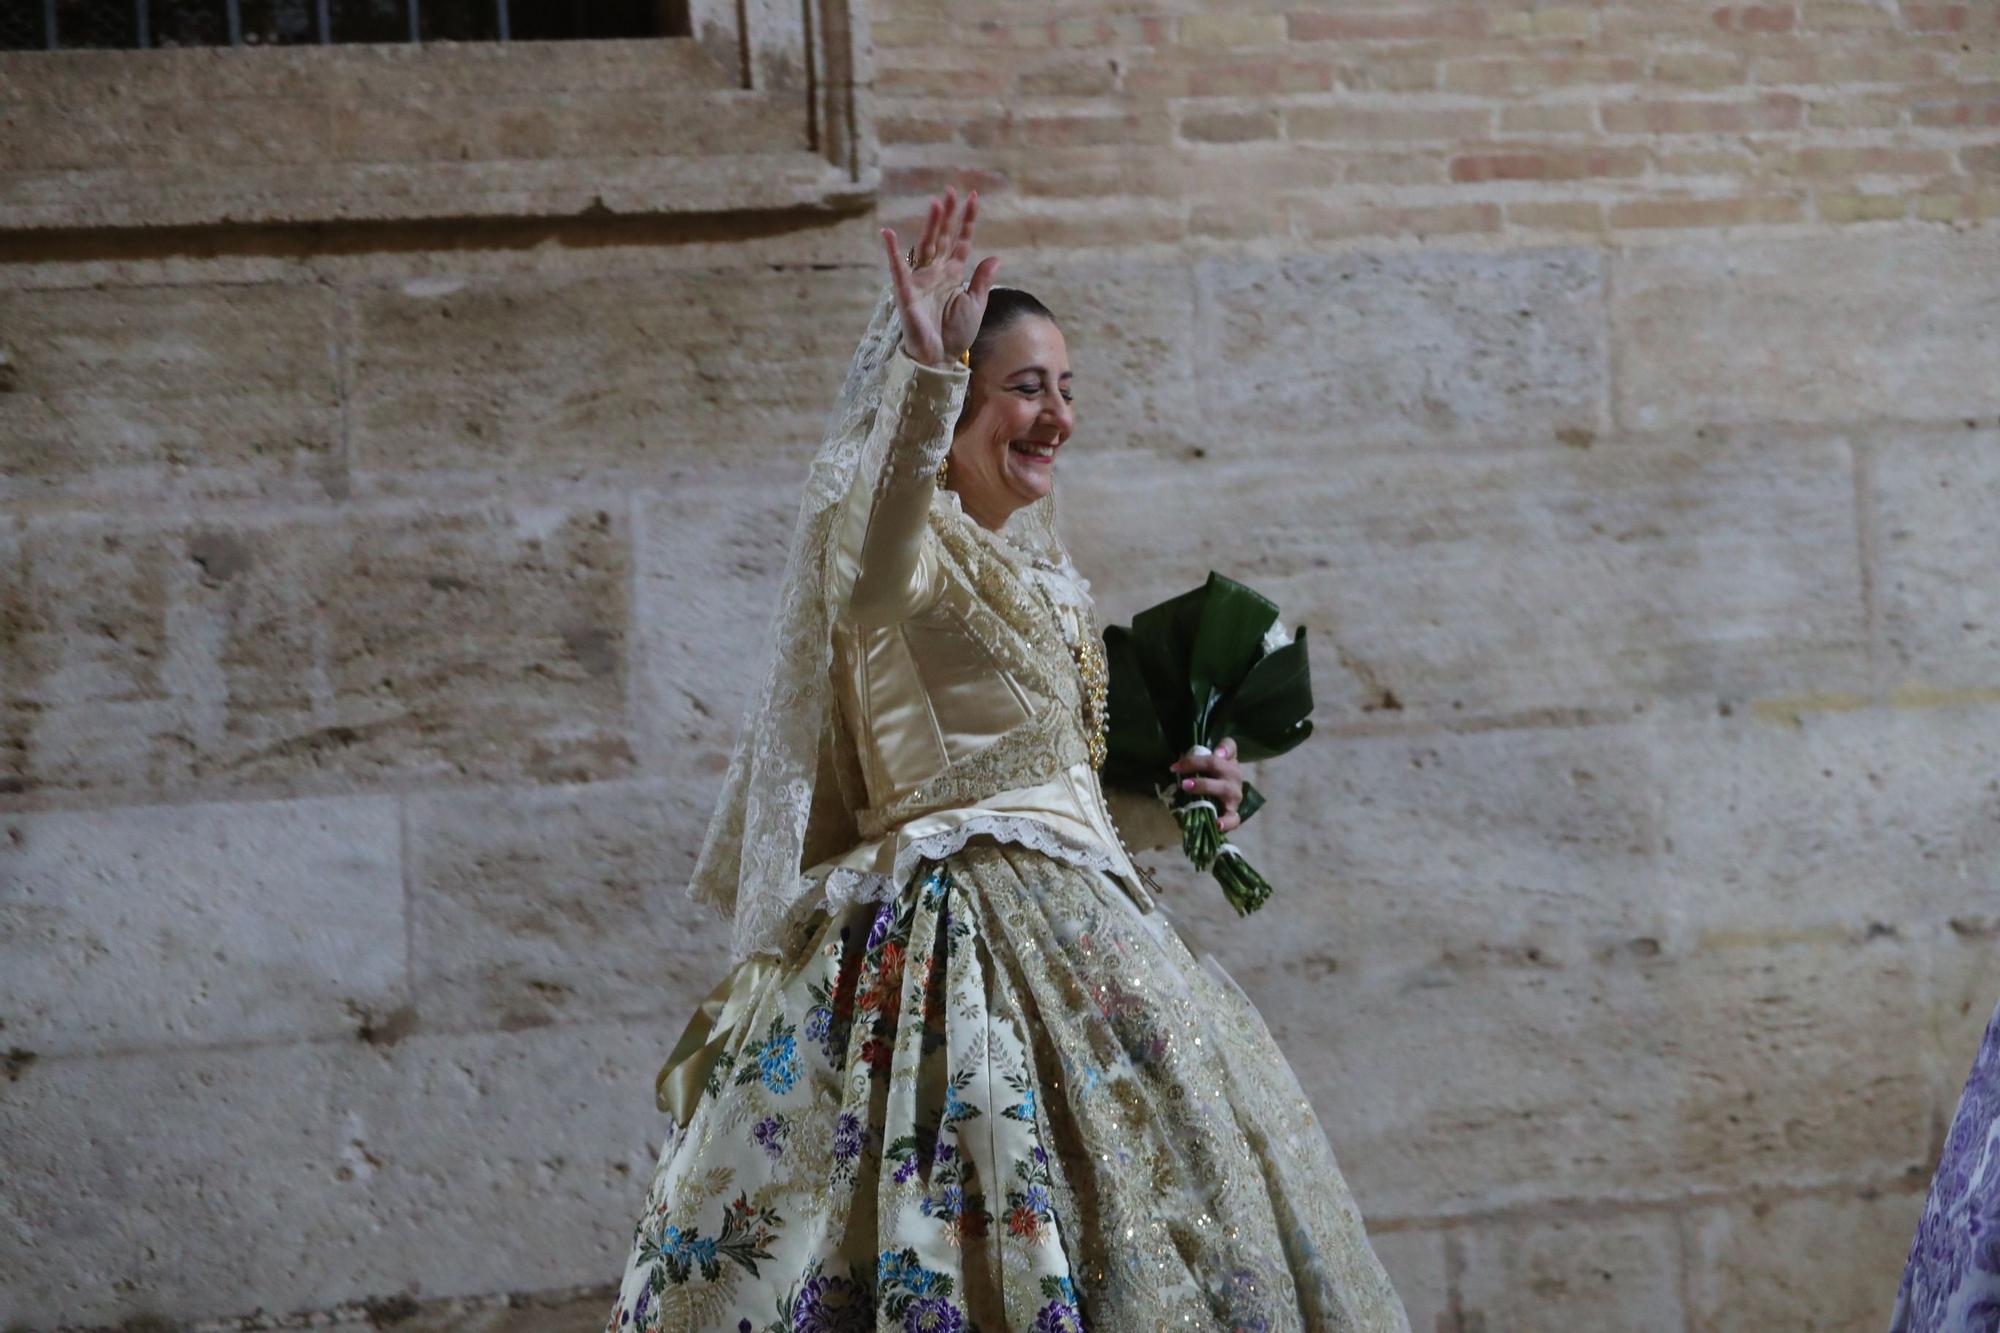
{"x":1130,"y":331}
{"x":1465,"y":584}
{"x":1936,"y":497}
{"x":1483,"y":1083}
{"x":1964,"y":990}
{"x":710,"y":559}
{"x":194,"y":390}
{"x":1497,"y":848}
{"x":1341,"y":350}
{"x":181,"y":1185}
{"x":647,"y":373}
{"x":475,"y":1135}
{"x":559,"y":1312}
{"x":1415,"y":1262}
{"x":1822,"y":1264}
{"x":1825,"y":823}
{"x":156,"y":925}
{"x":564,"y":904}
{"x":432,"y":126}
{"x":447,"y":642}
{"x":1616,"y":1272}
{"x":205,"y":1184}
{"x":1754,"y":331}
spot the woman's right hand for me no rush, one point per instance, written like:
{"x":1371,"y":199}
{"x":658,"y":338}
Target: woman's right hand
{"x":940,"y":310}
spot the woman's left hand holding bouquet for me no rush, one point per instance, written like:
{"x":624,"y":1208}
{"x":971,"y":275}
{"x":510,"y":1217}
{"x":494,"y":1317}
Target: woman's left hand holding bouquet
{"x":1214,"y":775}
{"x":941,"y":311}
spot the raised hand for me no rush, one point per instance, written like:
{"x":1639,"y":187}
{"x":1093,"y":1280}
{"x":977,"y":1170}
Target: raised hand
{"x":940,"y":309}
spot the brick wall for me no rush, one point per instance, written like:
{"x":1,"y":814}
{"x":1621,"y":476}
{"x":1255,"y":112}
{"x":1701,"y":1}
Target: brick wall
{"x":1522,"y":122}
{"x":1611,"y":390}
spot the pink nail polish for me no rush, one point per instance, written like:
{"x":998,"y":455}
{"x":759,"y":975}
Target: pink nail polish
{"x":1187,"y":784}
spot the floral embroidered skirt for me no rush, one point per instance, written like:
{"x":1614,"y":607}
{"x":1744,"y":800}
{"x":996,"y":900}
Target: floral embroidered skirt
{"x":1008,"y":1100}
{"x":1952,"y":1283}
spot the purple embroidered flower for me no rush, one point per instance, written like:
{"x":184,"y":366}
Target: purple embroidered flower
{"x":1041,"y":1155}
{"x":943,"y":1153}
{"x":884,"y":921}
{"x":832,"y":1305}
{"x":906,"y":1170}
{"x":847,"y":1137}
{"x":769,"y":1132}
{"x":935,"y":1315}
{"x":1057,"y":1317}
{"x":643,"y":1304}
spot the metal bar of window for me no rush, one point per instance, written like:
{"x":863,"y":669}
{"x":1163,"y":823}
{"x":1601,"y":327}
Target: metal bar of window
{"x":49,"y":22}
{"x":325,"y":22}
{"x":142,"y":16}
{"x":235,"y":8}
{"x":506,"y":28}
{"x":414,"y":30}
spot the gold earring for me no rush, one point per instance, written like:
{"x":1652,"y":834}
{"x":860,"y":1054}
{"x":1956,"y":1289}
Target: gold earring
{"x":944,"y":467}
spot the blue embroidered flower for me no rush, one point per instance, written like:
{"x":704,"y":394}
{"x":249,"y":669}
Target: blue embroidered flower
{"x":896,"y":1268}
{"x":946,"y":1203}
{"x":778,"y":1062}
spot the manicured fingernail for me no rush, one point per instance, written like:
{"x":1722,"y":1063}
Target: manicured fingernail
{"x":1187,"y":784}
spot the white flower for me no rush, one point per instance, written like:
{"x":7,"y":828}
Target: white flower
{"x":1276,"y":637}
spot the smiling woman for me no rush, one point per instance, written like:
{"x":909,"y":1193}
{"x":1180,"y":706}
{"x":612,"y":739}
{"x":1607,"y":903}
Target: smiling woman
{"x":1018,"y":410}
{"x":964,"y":1074}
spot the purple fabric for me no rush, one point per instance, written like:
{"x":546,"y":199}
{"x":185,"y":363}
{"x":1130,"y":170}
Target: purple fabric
{"x":1952,"y":1283}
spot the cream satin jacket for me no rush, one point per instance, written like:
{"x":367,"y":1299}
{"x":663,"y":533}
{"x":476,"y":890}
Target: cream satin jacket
{"x":953,"y":673}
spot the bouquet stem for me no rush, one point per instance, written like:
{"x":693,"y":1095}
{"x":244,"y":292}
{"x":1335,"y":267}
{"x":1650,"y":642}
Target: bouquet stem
{"x":1201,"y":836}
{"x":1245,"y":889}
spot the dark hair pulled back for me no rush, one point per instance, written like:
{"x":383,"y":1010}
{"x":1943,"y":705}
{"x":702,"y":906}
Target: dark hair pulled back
{"x":1005,"y":307}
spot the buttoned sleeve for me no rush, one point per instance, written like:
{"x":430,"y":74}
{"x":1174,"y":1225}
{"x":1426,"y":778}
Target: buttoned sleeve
{"x":882,"y":571}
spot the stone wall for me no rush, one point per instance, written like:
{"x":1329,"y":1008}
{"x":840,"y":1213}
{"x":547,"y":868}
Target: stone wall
{"x":1612,"y":390}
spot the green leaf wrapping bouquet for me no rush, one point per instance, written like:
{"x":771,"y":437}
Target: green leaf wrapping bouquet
{"x":1211,"y":663}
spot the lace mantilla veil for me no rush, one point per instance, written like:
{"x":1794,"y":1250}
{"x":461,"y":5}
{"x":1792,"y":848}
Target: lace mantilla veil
{"x":793,"y":784}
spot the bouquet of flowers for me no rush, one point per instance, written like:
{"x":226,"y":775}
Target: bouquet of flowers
{"x":1211,"y":663}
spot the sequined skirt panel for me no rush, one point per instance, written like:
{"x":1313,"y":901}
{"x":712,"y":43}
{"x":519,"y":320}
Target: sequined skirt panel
{"x":1008,"y":1100}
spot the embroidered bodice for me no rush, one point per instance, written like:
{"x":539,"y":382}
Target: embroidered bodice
{"x":954,"y":674}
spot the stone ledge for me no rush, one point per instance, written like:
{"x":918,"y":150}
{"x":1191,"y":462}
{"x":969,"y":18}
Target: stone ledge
{"x":771,"y":118}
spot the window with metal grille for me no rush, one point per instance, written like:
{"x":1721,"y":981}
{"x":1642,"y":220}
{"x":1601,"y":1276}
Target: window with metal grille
{"x":64,"y":25}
